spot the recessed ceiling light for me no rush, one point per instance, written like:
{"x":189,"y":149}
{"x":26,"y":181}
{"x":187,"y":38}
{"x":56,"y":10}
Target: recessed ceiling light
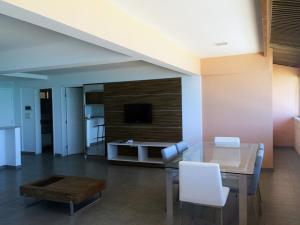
{"x":221,"y":43}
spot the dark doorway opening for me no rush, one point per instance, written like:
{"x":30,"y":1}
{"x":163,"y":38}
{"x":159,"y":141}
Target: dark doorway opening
{"x":46,"y":120}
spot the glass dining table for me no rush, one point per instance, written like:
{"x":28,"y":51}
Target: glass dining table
{"x":236,"y":162}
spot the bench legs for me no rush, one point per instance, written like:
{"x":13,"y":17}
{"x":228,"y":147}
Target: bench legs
{"x":71,"y":204}
{"x":71,"y":208}
{"x":30,"y":202}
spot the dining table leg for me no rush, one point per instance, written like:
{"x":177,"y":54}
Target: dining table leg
{"x":169,"y":195}
{"x":243,"y":199}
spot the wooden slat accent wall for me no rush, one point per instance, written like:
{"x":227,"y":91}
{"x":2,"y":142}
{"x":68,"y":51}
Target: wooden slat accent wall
{"x":285,"y":35}
{"x":165,"y":97}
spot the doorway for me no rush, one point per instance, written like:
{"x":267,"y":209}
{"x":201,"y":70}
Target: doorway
{"x":46,"y":120}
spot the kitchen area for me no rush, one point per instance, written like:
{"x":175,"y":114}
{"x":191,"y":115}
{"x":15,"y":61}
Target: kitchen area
{"x":94,"y":120}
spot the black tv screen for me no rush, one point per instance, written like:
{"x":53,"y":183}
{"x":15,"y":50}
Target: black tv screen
{"x":138,"y":113}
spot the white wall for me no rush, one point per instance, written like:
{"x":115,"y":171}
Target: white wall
{"x":7,"y":107}
{"x":30,"y":120}
{"x":191,"y":109}
{"x":191,"y":98}
{"x":2,"y":143}
{"x":7,"y":116}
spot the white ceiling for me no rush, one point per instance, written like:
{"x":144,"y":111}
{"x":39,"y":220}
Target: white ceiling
{"x":25,"y":47}
{"x":94,"y":68}
{"x":199,"y":25}
{"x":15,"y":34}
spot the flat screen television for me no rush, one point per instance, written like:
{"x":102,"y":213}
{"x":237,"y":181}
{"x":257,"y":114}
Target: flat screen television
{"x":138,"y":113}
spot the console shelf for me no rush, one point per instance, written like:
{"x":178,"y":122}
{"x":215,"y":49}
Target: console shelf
{"x":140,"y":147}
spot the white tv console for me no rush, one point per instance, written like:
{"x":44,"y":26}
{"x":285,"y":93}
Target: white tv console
{"x":140,"y":147}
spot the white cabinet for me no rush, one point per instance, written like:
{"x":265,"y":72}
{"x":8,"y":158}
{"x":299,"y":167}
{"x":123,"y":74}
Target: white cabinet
{"x":140,"y":148}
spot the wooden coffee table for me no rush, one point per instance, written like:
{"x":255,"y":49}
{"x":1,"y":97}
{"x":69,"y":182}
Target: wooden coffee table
{"x":65,"y":189}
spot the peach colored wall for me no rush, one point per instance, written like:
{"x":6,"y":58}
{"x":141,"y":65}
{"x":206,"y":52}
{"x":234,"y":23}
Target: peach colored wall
{"x":285,"y":104}
{"x":237,"y":100}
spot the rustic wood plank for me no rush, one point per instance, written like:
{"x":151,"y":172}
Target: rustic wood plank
{"x":285,"y":37}
{"x":266,"y":11}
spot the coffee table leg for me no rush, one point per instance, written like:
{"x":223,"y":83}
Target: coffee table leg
{"x":71,"y":208}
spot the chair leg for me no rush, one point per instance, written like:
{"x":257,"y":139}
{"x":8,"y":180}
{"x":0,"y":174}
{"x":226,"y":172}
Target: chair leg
{"x":259,"y":195}
{"x":181,"y":213}
{"x":255,"y":203}
{"x":235,"y":209}
{"x":177,"y":194}
{"x":259,"y":201}
{"x":221,"y":216}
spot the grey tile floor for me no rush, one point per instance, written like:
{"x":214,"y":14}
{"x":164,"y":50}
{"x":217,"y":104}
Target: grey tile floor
{"x":135,"y":195}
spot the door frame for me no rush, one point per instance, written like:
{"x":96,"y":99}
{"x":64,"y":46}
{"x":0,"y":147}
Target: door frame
{"x":38,"y":121}
{"x":65,"y":119}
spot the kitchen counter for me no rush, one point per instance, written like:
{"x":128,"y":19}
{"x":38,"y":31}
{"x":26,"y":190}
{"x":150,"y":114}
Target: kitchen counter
{"x":10,"y":146}
{"x":8,"y":127}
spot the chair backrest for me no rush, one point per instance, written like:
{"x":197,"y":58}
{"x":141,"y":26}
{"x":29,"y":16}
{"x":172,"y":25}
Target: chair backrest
{"x":261,"y":146}
{"x":169,"y":153}
{"x":227,"y":141}
{"x":201,"y":183}
{"x":181,"y":147}
{"x":254,"y":180}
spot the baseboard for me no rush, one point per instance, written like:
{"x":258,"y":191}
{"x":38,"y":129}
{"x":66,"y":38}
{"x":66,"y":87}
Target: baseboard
{"x":10,"y":167}
{"x":138,"y":164}
{"x":27,"y":153}
{"x":267,"y":169}
{"x":284,"y":147}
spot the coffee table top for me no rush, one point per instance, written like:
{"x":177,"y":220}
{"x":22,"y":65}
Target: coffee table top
{"x":63,"y":188}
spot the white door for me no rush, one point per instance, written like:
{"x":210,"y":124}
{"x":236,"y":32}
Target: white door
{"x":74,"y":110}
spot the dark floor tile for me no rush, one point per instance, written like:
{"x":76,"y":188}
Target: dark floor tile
{"x":135,"y":195}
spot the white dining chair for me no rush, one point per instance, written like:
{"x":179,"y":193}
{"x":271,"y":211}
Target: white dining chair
{"x":201,"y":184}
{"x":169,"y":153}
{"x":253,"y":183}
{"x":181,"y":147}
{"x":227,"y":141}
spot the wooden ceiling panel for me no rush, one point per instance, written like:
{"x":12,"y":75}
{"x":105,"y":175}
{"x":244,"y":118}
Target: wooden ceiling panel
{"x":286,"y":58}
{"x":285,"y":32}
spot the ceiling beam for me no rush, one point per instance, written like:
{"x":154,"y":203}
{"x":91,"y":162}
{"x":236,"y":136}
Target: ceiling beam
{"x":266,"y":15}
{"x":63,"y":54}
{"x":26,"y":75}
{"x":104,"y":24}
{"x":68,"y":66}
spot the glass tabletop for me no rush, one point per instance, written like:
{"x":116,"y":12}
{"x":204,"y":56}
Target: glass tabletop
{"x":230,"y":158}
